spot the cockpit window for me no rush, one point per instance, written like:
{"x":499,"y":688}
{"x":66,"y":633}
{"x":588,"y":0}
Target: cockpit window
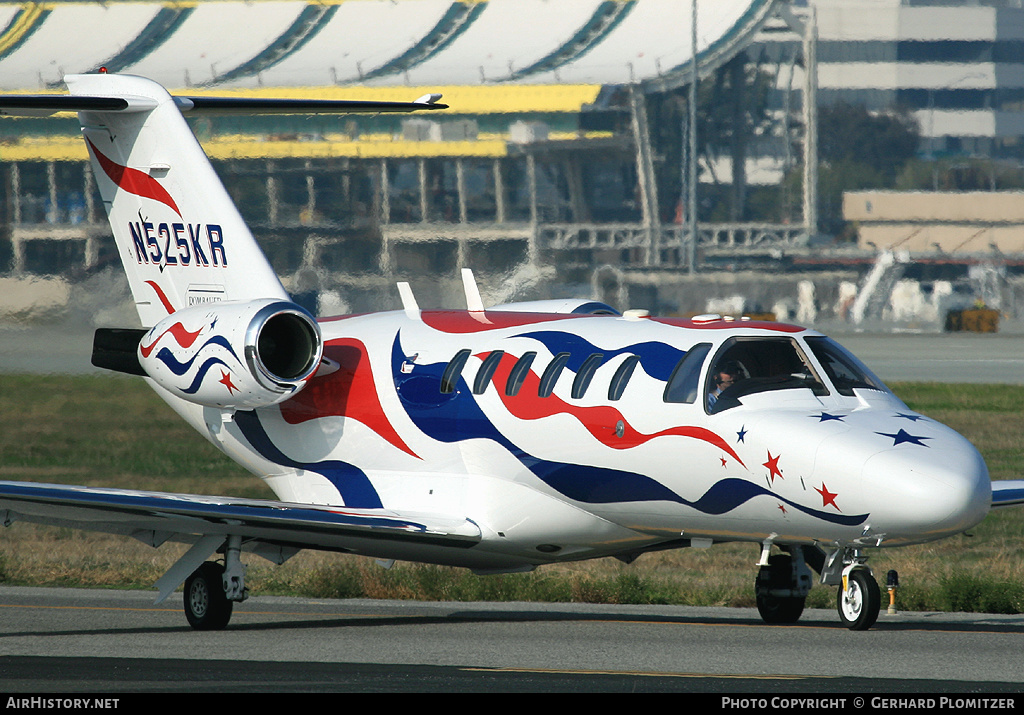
{"x":745,"y":366}
{"x":684,"y":384}
{"x":845,"y":371}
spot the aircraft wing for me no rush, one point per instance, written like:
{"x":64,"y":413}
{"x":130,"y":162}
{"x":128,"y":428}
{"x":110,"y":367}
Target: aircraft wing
{"x":274,"y":530}
{"x":1007,"y":492}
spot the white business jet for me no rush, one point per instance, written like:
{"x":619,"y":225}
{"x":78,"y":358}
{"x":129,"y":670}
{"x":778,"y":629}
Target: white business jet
{"x":493,"y":438}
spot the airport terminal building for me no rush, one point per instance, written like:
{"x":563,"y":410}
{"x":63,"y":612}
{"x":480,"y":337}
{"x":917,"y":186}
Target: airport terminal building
{"x":565,"y":151}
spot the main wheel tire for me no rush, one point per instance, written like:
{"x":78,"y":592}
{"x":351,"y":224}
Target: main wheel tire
{"x":777,"y":609}
{"x":860,"y":602}
{"x":780,"y":609}
{"x":207,"y":608}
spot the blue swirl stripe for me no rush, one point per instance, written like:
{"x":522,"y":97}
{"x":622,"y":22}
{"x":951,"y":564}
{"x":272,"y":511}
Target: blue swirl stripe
{"x":351,"y":482}
{"x":658,"y":359}
{"x":197,"y":381}
{"x":180,"y":368}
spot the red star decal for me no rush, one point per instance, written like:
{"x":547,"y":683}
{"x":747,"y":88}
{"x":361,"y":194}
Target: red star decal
{"x":773,"y":467}
{"x":827,"y":497}
{"x":225,"y":379}
{"x":782,"y":508}
{"x":723,"y":461}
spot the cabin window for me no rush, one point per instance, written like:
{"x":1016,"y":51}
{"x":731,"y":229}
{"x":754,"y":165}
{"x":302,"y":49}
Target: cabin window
{"x":551,"y":373}
{"x":846,"y":372}
{"x":745,"y":366}
{"x":621,"y":377}
{"x":518,"y":374}
{"x":683,"y":386}
{"x":453,"y":371}
{"x":585,"y":375}
{"x":486,"y":371}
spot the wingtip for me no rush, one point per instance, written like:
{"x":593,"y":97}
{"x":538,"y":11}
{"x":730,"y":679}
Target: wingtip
{"x":431,"y":101}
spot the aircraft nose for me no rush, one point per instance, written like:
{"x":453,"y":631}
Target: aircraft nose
{"x":928,"y":492}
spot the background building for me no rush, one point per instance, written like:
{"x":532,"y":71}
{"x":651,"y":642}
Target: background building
{"x":564,"y":162}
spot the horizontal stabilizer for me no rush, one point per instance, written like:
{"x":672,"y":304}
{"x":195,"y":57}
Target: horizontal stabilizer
{"x":256,"y":105}
{"x":35,"y":105}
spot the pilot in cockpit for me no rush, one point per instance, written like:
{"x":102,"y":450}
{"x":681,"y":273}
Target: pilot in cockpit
{"x":724,"y":377}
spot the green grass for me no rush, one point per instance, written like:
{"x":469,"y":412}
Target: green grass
{"x":113,"y":431}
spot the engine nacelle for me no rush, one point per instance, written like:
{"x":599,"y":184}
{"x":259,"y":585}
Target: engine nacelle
{"x":233,"y":354}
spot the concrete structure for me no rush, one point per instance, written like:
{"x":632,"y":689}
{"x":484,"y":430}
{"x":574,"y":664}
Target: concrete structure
{"x":938,"y":223}
{"x":549,"y":156}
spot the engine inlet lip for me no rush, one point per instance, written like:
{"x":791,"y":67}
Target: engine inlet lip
{"x":267,"y":377}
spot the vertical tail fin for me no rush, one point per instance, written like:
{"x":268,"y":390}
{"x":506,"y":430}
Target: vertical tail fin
{"x":179,"y":235}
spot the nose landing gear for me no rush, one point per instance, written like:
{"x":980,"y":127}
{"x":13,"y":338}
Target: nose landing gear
{"x":859,"y":599}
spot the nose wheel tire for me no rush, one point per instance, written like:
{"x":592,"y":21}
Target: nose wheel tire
{"x":860,"y":602}
{"x":207,"y":608}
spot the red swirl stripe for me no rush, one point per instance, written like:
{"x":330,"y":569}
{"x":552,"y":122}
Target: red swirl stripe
{"x":600,"y":420}
{"x":132,"y":180}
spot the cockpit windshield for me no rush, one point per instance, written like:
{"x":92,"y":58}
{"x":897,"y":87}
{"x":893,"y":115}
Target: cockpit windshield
{"x":844,"y":370}
{"x":745,"y":366}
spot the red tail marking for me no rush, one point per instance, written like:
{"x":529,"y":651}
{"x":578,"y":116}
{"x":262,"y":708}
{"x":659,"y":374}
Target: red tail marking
{"x":133,"y":181}
{"x":162,"y":296}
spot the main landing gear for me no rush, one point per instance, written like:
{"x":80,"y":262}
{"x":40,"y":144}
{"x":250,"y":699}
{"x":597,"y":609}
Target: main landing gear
{"x":207,"y":607}
{"x":784,"y":580}
{"x":781,"y":587}
{"x":212,"y":590}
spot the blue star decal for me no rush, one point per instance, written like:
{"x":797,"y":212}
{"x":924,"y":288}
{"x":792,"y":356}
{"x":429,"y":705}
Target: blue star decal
{"x":742,"y":434}
{"x":902,"y":436}
{"x":826,"y":417}
{"x":912,"y":418}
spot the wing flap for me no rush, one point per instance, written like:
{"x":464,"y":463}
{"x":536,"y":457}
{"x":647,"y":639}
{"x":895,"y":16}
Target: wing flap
{"x":190,"y":517}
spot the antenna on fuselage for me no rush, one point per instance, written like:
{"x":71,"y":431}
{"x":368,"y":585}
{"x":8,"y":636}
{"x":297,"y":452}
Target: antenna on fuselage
{"x":409,"y":304}
{"x":473,"y":300}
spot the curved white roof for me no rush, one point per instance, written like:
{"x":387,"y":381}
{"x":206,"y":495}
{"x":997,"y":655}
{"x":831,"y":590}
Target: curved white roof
{"x":377,"y":42}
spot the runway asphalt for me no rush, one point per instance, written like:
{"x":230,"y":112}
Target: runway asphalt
{"x":73,"y":641}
